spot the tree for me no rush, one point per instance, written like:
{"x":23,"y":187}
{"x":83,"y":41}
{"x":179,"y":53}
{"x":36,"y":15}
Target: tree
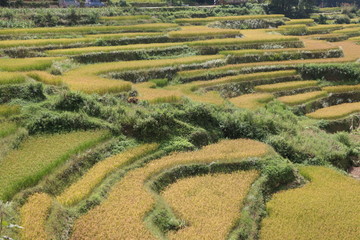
{"x":4,"y":3}
{"x":293,"y":8}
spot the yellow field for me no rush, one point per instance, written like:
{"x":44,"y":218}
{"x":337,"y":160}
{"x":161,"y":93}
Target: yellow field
{"x":326,"y":208}
{"x":11,"y":78}
{"x":122,"y":213}
{"x":202,"y":31}
{"x":303,"y":97}
{"x":336,"y":112}
{"x":8,"y":110}
{"x":158,"y":27}
{"x":33,"y":217}
{"x":83,"y":187}
{"x":74,"y":51}
{"x":26,"y":64}
{"x":90,"y":82}
{"x":45,"y":77}
{"x":342,"y":88}
{"x":285,"y":86}
{"x":24,"y":167}
{"x":210,"y":204}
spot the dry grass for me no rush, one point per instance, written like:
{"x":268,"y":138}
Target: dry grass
{"x":34,"y":215}
{"x":83,"y":187}
{"x":336,"y":112}
{"x":326,"y":208}
{"x":303,"y":97}
{"x":122,"y":213}
{"x":285,"y":86}
{"x":45,"y":77}
{"x":252,"y":101}
{"x":75,"y":51}
{"x":210,"y":204}
{"x":38,"y":156}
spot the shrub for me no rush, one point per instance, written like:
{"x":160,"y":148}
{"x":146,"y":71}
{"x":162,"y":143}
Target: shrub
{"x":342,"y":20}
{"x":29,"y":92}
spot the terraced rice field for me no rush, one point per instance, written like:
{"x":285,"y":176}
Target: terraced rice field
{"x":128,"y":208}
{"x":23,"y":167}
{"x":209,"y":204}
{"x":327,"y":202}
{"x":122,"y":75}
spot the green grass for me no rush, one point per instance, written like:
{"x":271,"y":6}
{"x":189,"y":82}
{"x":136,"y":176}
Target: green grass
{"x":7,"y":128}
{"x":7,"y":110}
{"x":38,"y":156}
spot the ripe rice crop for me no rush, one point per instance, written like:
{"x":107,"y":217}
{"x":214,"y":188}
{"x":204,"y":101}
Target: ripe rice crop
{"x":83,"y":187}
{"x":227,"y":18}
{"x":245,"y":77}
{"x":117,"y":36}
{"x":321,"y":29}
{"x":240,"y":41}
{"x":336,"y":112}
{"x":7,"y":128}
{"x":325,"y":208}
{"x":125,"y":18}
{"x":284,"y":86}
{"x":203,"y":31}
{"x":9,"y":110}
{"x":11,"y":78}
{"x":350,"y":32}
{"x":151,"y":27}
{"x":42,"y":42}
{"x":33,"y":217}
{"x":300,"y":21}
{"x":75,"y":51}
{"x":122,"y":213}
{"x":45,"y":77}
{"x":210,"y":204}
{"x":269,"y":51}
{"x":90,"y":81}
{"x":303,"y":97}
{"x":24,"y":167}
{"x":252,"y":101}
{"x":342,"y":88}
{"x":26,"y":64}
